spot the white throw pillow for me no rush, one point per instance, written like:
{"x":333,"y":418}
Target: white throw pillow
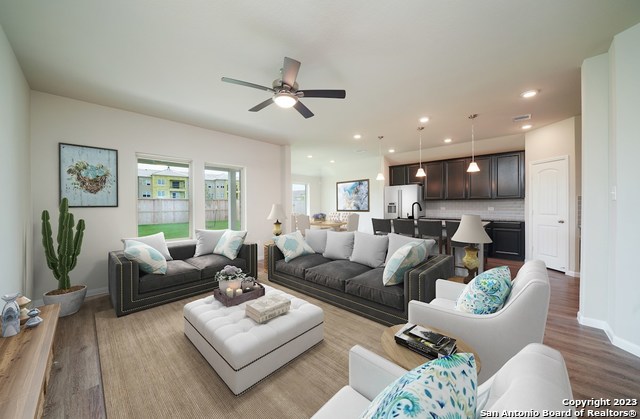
{"x":156,"y":241}
{"x":292,"y":245}
{"x":149,"y":259}
{"x":230,"y":243}
{"x":317,"y":239}
{"x":405,"y":258}
{"x":369,"y":250}
{"x":206,"y":241}
{"x":396,"y":241}
{"x":339,"y":245}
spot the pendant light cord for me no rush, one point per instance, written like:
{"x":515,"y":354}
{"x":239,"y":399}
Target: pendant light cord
{"x":473,"y":148}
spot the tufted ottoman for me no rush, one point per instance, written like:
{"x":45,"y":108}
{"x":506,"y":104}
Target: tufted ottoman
{"x":244,"y":352}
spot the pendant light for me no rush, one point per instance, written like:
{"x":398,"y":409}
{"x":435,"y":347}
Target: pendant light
{"x":420,"y":172}
{"x":380,"y":175}
{"x":473,"y":166}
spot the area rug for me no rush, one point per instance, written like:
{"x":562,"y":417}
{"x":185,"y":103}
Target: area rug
{"x":151,"y":370}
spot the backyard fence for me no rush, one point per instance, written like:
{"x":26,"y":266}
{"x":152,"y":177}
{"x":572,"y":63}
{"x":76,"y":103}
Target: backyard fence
{"x":168,"y":211}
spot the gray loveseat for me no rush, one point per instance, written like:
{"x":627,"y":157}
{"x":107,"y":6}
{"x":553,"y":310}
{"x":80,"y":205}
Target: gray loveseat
{"x":132,"y":290}
{"x":356,"y":287}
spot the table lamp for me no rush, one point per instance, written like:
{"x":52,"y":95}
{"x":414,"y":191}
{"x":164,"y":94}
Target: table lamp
{"x":276,"y":213}
{"x":471,"y":231}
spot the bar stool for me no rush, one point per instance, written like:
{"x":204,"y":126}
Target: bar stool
{"x":381,"y":226}
{"x":431,"y":230}
{"x":404,"y":227}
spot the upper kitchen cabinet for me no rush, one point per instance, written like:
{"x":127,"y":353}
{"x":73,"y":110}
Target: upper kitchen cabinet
{"x":455,"y":180}
{"x":434,"y":187}
{"x":398,"y":175}
{"x":480,"y":183}
{"x":412,"y":169}
{"x":509,"y":175}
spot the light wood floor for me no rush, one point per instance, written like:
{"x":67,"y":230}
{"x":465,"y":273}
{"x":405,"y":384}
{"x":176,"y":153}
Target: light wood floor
{"x":597,"y":369}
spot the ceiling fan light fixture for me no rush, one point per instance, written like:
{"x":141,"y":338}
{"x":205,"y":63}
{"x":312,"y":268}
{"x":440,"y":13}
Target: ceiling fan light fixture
{"x":285,"y":99}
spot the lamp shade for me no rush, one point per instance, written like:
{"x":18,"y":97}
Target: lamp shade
{"x":471,"y":231}
{"x":277,"y":213}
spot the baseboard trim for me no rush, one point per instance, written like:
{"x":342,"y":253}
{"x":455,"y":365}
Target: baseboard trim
{"x":623,"y":344}
{"x":573,"y":274}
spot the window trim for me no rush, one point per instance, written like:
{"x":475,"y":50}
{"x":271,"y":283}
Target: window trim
{"x":243,"y":188}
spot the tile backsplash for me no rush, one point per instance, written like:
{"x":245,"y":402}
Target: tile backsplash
{"x":503,"y":209}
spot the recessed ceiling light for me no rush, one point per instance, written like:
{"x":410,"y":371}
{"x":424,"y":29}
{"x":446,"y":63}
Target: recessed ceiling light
{"x":529,"y":93}
{"x":528,"y":126}
{"x":357,"y":136}
{"x":447,"y":140}
{"x":332,"y":161}
{"x":424,"y":119}
{"x":309,"y":156}
{"x":392,"y":150}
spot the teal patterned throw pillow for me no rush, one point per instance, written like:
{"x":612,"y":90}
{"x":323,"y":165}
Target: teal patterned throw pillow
{"x":402,"y":260}
{"x":230,"y":243}
{"x":442,"y":388}
{"x":487,"y":292}
{"x":293,"y":245}
{"x":149,"y":259}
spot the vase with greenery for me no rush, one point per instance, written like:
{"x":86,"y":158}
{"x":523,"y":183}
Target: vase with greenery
{"x":63,"y":258}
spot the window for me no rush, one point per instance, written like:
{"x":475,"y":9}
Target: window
{"x":300,"y":198}
{"x":159,"y":214}
{"x":147,"y":182}
{"x":223,"y":209}
{"x":175,"y":184}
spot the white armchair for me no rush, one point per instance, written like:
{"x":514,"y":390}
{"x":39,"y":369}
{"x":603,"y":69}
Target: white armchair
{"x":495,"y":337}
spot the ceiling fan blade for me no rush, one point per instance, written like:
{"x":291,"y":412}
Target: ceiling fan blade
{"x":333,"y":94}
{"x":247,"y":84}
{"x":261,"y":105}
{"x":304,"y":111}
{"x":290,"y":71}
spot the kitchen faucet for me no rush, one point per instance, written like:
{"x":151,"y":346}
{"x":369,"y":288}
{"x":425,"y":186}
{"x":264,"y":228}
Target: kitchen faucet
{"x":413,"y":206}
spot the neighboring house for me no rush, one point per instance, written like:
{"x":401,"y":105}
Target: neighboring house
{"x":163,"y":184}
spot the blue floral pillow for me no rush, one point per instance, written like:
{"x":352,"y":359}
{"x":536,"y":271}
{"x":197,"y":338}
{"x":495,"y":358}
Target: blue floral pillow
{"x":293,"y":245}
{"x":487,"y":292}
{"x":442,"y":388}
{"x":149,"y":259}
{"x":402,"y":260}
{"x":230,"y":243}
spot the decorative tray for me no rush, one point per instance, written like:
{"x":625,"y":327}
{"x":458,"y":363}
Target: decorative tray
{"x":239,"y":299}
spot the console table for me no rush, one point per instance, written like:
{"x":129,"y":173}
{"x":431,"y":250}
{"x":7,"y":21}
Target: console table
{"x":25,"y":366}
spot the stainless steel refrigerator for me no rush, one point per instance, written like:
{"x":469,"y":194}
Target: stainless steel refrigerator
{"x":399,"y":199}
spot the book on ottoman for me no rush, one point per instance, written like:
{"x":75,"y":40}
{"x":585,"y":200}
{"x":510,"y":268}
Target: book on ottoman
{"x":267,"y":307}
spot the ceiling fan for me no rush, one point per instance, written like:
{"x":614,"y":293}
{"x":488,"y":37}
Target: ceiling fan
{"x":285,"y":90}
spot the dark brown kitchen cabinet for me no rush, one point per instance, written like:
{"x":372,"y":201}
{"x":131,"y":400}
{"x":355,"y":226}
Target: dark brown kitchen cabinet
{"x":398,"y":175}
{"x":480,"y":186}
{"x":509,"y":175}
{"x":412,"y":169}
{"x":434,"y":187}
{"x":455,"y":181}
{"x":508,"y":240}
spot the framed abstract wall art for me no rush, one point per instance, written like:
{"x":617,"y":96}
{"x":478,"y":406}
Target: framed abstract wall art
{"x":352,"y":195}
{"x":88,"y":175}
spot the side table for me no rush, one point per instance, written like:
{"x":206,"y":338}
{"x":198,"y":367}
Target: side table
{"x":266,"y":254}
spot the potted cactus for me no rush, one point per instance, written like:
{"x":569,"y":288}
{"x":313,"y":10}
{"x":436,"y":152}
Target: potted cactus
{"x":63,"y":259}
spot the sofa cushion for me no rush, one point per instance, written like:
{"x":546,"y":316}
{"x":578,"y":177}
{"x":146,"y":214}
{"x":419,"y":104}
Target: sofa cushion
{"x":317,"y":239}
{"x":405,"y":258}
{"x":369,"y":250}
{"x":212,"y":263}
{"x":230,"y":243}
{"x":206,"y":241}
{"x":156,"y":241}
{"x":333,"y":274}
{"x":339,"y":245}
{"x":396,"y":241}
{"x":292,"y":245}
{"x":369,"y":286}
{"x":487,"y":292}
{"x":178,"y":272}
{"x":298,"y":266}
{"x":149,"y":259}
{"x":442,"y":388}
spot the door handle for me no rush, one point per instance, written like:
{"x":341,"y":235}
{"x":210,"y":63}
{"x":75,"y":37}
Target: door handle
{"x":560,"y":221}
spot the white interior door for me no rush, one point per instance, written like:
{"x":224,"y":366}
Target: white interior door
{"x":549,"y":180}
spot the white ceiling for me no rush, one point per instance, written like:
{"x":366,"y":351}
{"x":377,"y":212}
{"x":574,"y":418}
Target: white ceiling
{"x":396,"y":60}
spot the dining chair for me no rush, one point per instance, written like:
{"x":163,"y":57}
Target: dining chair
{"x":404,"y":227}
{"x":302,"y":223}
{"x":431,"y":229}
{"x":352,"y":222}
{"x":381,"y":226}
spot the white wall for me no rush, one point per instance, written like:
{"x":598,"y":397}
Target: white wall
{"x":56,"y":119}
{"x":610,"y":297}
{"x":15,"y":220}
{"x":559,"y":139}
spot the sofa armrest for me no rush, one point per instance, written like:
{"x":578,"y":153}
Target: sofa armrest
{"x":369,"y":373}
{"x":274,"y":255}
{"x":421,"y":279}
{"x":249,"y":252}
{"x":448,"y":290}
{"x":123,"y":278}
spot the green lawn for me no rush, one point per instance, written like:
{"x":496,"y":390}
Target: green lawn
{"x":179,"y":230}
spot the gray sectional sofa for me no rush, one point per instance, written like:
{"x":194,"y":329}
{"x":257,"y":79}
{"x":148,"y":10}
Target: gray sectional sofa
{"x":357,"y":287}
{"x":132,"y":290}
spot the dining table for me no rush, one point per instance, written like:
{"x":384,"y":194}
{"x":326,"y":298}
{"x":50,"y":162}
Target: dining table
{"x":335,"y":225}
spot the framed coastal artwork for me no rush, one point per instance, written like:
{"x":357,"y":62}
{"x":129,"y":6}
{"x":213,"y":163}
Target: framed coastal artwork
{"x":352,"y":195}
{"x":88,"y":175}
